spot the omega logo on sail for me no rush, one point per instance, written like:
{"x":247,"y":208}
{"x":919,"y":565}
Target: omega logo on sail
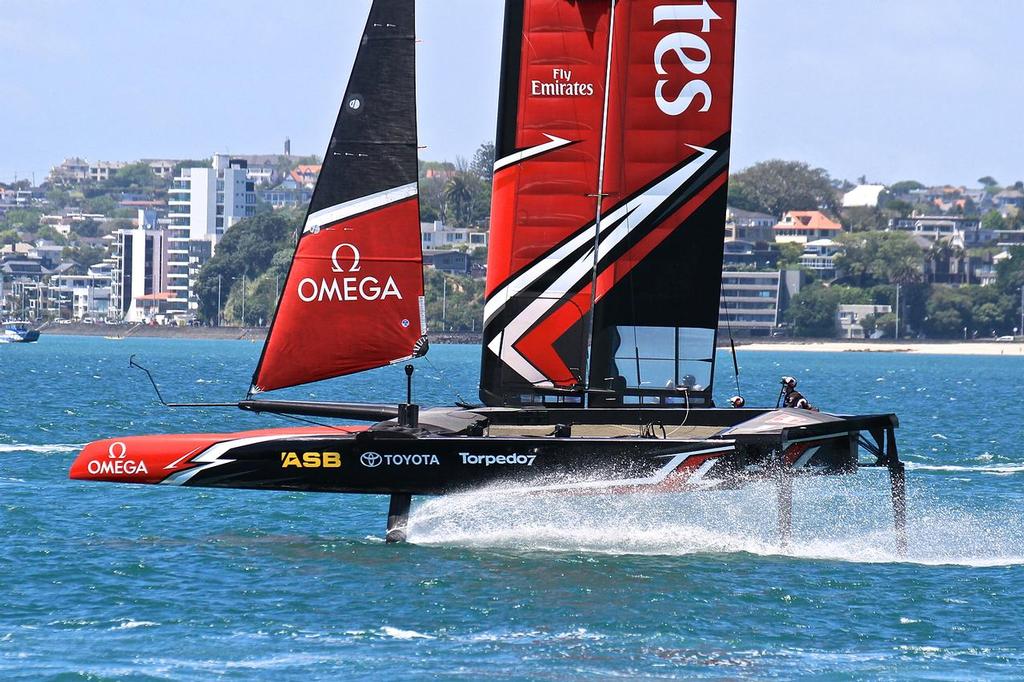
{"x":685,"y":47}
{"x":346,"y":288}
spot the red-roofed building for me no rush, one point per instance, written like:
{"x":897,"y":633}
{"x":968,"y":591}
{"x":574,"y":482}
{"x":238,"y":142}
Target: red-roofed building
{"x":305,"y":174}
{"x":800,"y":227}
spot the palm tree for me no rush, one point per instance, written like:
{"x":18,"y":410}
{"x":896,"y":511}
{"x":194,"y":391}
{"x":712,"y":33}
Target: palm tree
{"x":458,"y":196}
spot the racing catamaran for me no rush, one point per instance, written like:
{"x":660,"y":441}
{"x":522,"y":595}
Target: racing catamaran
{"x":602,"y":293}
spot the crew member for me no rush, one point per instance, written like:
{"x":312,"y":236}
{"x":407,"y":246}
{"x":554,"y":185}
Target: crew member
{"x":737,"y":401}
{"x":792,"y":397}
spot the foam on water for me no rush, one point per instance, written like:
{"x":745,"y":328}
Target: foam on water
{"x":44,"y":449}
{"x":833,"y":519}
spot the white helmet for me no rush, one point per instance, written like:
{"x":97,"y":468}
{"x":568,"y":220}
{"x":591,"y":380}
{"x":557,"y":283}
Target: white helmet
{"x":788,"y":382}
{"x":737,"y":401}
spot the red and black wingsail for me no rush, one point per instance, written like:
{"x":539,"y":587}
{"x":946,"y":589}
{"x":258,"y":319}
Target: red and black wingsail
{"x":353,"y":298}
{"x":609,"y":199}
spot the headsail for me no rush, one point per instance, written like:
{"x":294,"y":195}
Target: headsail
{"x":353,"y":298}
{"x":630,"y":100}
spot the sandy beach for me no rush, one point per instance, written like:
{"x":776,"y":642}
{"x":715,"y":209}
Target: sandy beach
{"x":924,"y":348}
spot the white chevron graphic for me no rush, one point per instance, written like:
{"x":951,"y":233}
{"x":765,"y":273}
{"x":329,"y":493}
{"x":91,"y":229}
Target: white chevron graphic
{"x":637,"y":209}
{"x":555,"y":143}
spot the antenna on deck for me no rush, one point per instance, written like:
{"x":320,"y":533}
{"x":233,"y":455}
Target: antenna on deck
{"x":409,"y":413}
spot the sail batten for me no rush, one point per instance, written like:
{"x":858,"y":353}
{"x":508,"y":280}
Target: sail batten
{"x":353,"y":296}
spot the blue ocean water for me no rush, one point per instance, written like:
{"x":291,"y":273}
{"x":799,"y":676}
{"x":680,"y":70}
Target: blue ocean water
{"x":103,"y":581}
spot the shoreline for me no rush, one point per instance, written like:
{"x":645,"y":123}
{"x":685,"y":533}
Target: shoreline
{"x":127,"y":331}
{"x":978,"y":348}
{"x":986,"y":347}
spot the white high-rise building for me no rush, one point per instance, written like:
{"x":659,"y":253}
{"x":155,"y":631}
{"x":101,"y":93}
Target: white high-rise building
{"x":139,"y":271}
{"x":204,"y":202}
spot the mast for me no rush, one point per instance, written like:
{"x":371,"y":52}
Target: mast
{"x":353,"y":296}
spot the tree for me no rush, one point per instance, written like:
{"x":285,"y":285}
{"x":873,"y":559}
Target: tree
{"x":863,"y":218}
{"x":453,"y":302}
{"x":904,"y":186}
{"x":482,"y":165}
{"x":988,"y":181}
{"x":880,"y":257}
{"x":993,"y":220}
{"x":458,"y":198}
{"x":789,"y":255}
{"x":247,"y":250}
{"x":777,"y":186}
{"x":813,"y":311}
{"x":134,"y":176}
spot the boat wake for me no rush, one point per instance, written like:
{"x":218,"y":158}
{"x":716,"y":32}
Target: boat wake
{"x":45,"y":449}
{"x":991,"y":469}
{"x":832,"y":520}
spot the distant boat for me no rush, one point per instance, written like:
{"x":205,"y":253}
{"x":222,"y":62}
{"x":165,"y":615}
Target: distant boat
{"x":18,"y":331}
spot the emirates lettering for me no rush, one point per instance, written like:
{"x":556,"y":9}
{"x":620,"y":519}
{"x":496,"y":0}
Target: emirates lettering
{"x":119,"y":467}
{"x":311,"y":460}
{"x":692,"y":52}
{"x":561,"y":85}
{"x":347,"y":289}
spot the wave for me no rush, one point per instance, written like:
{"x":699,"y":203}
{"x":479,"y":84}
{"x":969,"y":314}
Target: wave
{"x":45,"y":449}
{"x":995,"y":469}
{"x":829,"y":523}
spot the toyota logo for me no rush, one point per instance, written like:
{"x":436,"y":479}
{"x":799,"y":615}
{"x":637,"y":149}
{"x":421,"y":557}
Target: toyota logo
{"x":370,"y":459}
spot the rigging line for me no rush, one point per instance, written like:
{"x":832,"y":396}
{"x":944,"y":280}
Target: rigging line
{"x":462,"y":401}
{"x":732,"y":346}
{"x":307,"y":421}
{"x":600,"y":197}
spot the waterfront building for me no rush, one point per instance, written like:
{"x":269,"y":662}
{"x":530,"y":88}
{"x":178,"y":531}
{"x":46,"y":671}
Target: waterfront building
{"x":850,"y":317}
{"x":203,"y":203}
{"x":454,"y":262}
{"x":937,"y":226}
{"x":800,"y":227}
{"x":819,"y":256}
{"x":744,"y":254}
{"x":139,"y":268}
{"x":80,"y":296}
{"x":438,"y":236}
{"x":753,"y":302}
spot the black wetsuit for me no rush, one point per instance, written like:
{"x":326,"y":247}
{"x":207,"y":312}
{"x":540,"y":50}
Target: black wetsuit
{"x":796,"y":399}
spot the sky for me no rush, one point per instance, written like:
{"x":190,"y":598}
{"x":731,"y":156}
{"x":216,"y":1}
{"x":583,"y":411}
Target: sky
{"x":890,"y":90}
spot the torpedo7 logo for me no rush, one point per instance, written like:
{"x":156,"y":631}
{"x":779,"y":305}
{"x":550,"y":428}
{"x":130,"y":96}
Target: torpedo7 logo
{"x":692,"y":51}
{"x":350,"y":287}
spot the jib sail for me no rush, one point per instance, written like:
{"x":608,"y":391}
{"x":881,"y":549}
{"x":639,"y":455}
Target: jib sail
{"x":353,"y":298}
{"x":609,"y":201}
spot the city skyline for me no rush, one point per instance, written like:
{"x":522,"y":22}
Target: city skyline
{"x":915,"y":90}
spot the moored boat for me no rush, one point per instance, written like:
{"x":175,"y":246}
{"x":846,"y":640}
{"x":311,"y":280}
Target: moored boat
{"x":18,"y":331}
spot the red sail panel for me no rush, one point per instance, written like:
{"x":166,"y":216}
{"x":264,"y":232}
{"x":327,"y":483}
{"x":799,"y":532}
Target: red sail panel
{"x":661,"y":218}
{"x":352,"y":299}
{"x":545,"y":182}
{"x":666,"y":167}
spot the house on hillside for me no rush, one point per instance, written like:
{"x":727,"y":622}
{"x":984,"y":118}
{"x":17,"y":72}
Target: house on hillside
{"x":800,"y":227}
{"x":863,"y":195}
{"x":748,"y":226}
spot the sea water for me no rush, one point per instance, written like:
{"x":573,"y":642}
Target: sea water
{"x":101,"y":581}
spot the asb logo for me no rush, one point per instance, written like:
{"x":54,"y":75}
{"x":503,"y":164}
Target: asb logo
{"x":117,"y":462}
{"x":311,"y":460}
{"x":370,"y":459}
{"x":692,"y":52}
{"x":353,"y":288}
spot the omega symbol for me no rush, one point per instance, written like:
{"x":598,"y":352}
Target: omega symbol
{"x":336,"y":267}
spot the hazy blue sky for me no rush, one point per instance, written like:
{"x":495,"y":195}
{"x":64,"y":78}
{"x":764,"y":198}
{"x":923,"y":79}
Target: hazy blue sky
{"x":890,"y":89}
